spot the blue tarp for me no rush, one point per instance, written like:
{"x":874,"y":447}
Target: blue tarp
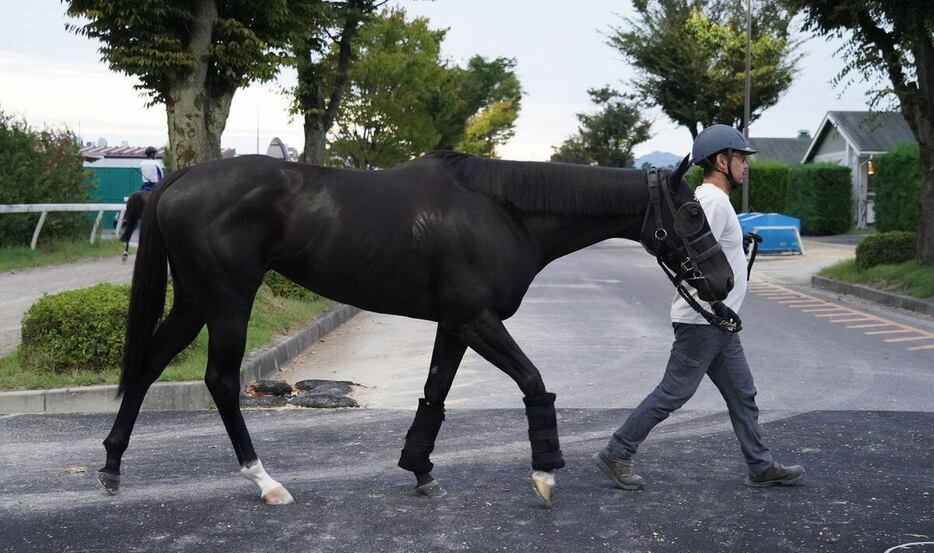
{"x":780,"y":233}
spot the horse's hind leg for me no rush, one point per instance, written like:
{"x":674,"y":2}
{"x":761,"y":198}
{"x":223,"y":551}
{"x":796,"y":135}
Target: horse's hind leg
{"x":226,"y":346}
{"x":179,"y":329}
{"x":486,"y":335}
{"x":420,"y":439}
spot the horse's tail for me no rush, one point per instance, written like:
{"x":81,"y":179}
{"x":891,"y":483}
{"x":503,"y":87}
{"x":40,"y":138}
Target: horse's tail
{"x":147,"y":293}
{"x":134,"y":211}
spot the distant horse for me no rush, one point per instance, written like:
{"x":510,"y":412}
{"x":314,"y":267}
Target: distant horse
{"x":131,"y":216}
{"x":447,"y":237}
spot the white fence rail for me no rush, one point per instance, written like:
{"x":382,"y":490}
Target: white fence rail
{"x":44,"y":209}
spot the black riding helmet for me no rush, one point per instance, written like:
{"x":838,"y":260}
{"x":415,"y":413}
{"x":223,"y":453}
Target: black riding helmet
{"x":716,"y":139}
{"x":150,"y":152}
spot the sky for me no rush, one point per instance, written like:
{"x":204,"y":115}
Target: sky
{"x":52,"y":77}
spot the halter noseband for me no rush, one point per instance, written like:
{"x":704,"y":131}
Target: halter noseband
{"x":690,"y":264}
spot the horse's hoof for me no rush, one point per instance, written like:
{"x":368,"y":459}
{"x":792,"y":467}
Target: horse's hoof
{"x":432,"y":489}
{"x":277,"y":496}
{"x":544,"y":485}
{"x":125,"y":256}
{"x":109,"y":481}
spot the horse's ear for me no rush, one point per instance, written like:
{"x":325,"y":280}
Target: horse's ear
{"x":682,"y":168}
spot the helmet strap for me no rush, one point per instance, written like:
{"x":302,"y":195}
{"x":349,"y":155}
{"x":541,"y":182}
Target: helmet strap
{"x":734,"y":184}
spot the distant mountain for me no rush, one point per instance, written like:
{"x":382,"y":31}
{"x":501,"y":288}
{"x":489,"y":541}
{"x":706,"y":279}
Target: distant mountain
{"x":658,"y":159}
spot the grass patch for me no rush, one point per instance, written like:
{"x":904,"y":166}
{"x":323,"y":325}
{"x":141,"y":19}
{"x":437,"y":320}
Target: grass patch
{"x":272,"y":317}
{"x":906,"y":278}
{"x":56,"y":253}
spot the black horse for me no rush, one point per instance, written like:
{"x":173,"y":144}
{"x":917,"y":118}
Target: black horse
{"x":447,"y":237}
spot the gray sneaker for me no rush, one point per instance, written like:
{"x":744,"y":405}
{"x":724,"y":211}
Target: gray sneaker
{"x":618,"y":472}
{"x":776,"y":475}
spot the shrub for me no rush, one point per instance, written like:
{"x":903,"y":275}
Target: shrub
{"x":76,"y":330}
{"x":285,"y":288}
{"x":694,"y":176}
{"x":898,"y":189}
{"x":40,"y":167}
{"x":768,"y":188}
{"x":820,"y":194}
{"x":885,"y":247}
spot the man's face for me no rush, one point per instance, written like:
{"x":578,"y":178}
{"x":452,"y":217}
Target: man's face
{"x":737,"y":165}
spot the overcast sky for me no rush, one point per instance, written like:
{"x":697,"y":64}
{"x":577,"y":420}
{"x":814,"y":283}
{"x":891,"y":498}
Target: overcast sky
{"x":52,"y":77}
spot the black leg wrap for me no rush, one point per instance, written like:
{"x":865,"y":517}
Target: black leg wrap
{"x":420,"y":439}
{"x":543,"y":432}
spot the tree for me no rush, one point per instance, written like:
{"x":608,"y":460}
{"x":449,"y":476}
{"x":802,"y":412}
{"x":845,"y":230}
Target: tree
{"x":691,"y":58}
{"x":894,"y":40}
{"x":607,"y":137}
{"x":385,"y":118}
{"x":477,"y":106}
{"x":192,"y":56}
{"x":403,"y":100}
{"x":322,"y":58}
{"x":40,"y":166}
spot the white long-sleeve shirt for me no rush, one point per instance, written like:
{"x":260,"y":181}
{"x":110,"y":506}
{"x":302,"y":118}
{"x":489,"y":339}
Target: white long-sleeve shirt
{"x":725,"y":227}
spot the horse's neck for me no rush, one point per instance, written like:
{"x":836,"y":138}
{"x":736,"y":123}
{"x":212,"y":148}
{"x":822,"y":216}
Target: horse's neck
{"x":559,"y":235}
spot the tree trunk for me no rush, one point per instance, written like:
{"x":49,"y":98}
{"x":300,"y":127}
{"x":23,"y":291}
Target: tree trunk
{"x":319,"y":112}
{"x":924,"y":62}
{"x":925,"y":239}
{"x":315,"y":139}
{"x":196,"y":116}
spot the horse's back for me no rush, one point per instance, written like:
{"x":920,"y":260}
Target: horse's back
{"x":396,"y":241}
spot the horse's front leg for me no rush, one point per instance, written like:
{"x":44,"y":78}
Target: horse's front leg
{"x":486,"y":335}
{"x":420,"y":439}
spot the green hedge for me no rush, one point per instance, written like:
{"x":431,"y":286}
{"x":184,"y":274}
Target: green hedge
{"x":885,"y":247}
{"x":768,"y":188}
{"x":76,"y":330}
{"x":40,"y":167}
{"x":820,"y":194}
{"x":285,"y":288}
{"x":694,"y":176}
{"x":898,"y":189}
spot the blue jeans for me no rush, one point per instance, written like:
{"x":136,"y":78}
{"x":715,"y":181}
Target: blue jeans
{"x":699,"y":350}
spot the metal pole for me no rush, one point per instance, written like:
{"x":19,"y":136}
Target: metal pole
{"x":746,"y":98}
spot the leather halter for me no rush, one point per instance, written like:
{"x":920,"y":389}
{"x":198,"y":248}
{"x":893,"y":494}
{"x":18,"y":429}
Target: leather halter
{"x":685,"y":245}
{"x":687,"y":249}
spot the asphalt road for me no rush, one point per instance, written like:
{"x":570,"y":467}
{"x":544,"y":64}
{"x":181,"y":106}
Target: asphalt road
{"x":855,"y":409}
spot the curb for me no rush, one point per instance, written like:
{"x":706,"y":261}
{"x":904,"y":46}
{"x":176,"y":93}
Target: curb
{"x":917,"y":305}
{"x":175,"y":396}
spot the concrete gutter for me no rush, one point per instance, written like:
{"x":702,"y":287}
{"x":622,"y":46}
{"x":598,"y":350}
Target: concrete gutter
{"x":175,"y":396}
{"x":917,"y":305}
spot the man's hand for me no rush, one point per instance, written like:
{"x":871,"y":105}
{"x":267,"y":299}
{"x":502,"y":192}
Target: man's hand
{"x":748,"y":238}
{"x":721,"y":310}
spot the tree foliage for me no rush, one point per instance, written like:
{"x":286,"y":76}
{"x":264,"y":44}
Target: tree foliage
{"x":40,"y":166}
{"x":477,"y":106}
{"x":608,"y":136}
{"x":192,"y":56}
{"x":690,"y":55}
{"x":322,"y":56}
{"x":404,"y":100}
{"x":385,"y":118}
{"x":894,"y":40}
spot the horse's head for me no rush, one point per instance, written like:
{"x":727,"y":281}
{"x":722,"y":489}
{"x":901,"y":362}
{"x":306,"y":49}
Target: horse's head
{"x":676,"y":232}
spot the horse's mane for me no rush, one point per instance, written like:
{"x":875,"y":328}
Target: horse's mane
{"x":546,"y":187}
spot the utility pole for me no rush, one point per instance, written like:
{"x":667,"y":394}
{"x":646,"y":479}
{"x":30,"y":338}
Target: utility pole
{"x":746,"y":99}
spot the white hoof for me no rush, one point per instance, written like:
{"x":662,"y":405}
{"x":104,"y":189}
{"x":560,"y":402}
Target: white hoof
{"x":277,"y":496}
{"x":544,"y":485}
